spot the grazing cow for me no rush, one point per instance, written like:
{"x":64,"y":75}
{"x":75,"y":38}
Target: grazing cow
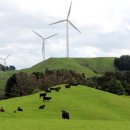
{"x":52,"y":88}
{"x":42,"y":95}
{"x":65,"y":115}
{"x":41,"y":107}
{"x":74,"y":84}
{"x":67,"y":86}
{"x":2,"y":109}
{"x":46,"y":98}
{"x":56,"y":89}
{"x":59,"y":88}
{"x":19,"y":109}
{"x":48,"y":91}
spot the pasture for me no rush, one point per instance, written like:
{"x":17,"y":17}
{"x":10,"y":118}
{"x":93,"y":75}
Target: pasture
{"x":89,"y":109}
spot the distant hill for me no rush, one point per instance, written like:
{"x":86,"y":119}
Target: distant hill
{"x":89,"y":66}
{"x":89,"y":109}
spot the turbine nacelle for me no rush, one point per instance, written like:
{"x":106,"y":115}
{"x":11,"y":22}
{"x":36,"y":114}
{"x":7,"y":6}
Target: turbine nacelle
{"x":43,"y":45}
{"x":66,"y":21}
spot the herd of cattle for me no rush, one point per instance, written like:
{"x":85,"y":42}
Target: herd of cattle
{"x":65,"y":115}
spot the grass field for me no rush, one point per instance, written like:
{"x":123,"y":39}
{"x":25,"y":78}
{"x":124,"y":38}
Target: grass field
{"x":89,"y":109}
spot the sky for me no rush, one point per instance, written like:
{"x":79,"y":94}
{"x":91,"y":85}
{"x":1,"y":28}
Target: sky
{"x":104,"y":26}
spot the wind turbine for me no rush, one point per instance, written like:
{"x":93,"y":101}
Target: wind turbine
{"x":44,"y":39}
{"x":4,"y":59}
{"x":67,"y":28}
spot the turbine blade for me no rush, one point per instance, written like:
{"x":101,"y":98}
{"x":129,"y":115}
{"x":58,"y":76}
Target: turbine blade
{"x":1,"y":58}
{"x":7,"y":56}
{"x":69,"y":10}
{"x":58,"y":22}
{"x":73,"y":26}
{"x":38,"y":34}
{"x":51,"y":36}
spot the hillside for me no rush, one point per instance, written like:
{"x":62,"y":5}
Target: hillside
{"x":89,"y":66}
{"x":89,"y":109}
{"x":4,"y":76}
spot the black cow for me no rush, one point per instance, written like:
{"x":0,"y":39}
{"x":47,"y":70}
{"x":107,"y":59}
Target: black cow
{"x":42,"y":107}
{"x":48,"y":91}
{"x":47,"y":98}
{"x":56,"y":89}
{"x":67,"y":86}
{"x":74,"y":84}
{"x":2,"y":109}
{"x":65,"y":115}
{"x":52,"y":88}
{"x":19,"y":109}
{"x":42,"y":95}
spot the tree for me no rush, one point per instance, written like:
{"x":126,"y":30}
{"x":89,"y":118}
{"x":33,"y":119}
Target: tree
{"x":11,"y":67}
{"x":122,"y":63}
{"x":25,"y":83}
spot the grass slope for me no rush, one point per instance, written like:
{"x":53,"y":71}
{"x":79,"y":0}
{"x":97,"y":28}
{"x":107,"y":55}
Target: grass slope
{"x":62,"y":63}
{"x":98,"y":65}
{"x":82,"y":65}
{"x":89,"y":109}
{"x":4,"y":76}
{"x":89,"y":66}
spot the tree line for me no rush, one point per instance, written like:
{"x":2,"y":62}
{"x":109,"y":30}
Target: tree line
{"x":113,"y":82}
{"x":23,"y":83}
{"x":9,"y":68}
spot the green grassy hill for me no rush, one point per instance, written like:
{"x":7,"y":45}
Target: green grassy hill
{"x":89,"y":66}
{"x":89,"y":109}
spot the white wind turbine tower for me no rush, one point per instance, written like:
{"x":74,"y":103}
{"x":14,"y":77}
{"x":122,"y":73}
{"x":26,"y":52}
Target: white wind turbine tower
{"x":67,"y":28}
{"x":43,"y":45}
{"x":4,"y":59}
